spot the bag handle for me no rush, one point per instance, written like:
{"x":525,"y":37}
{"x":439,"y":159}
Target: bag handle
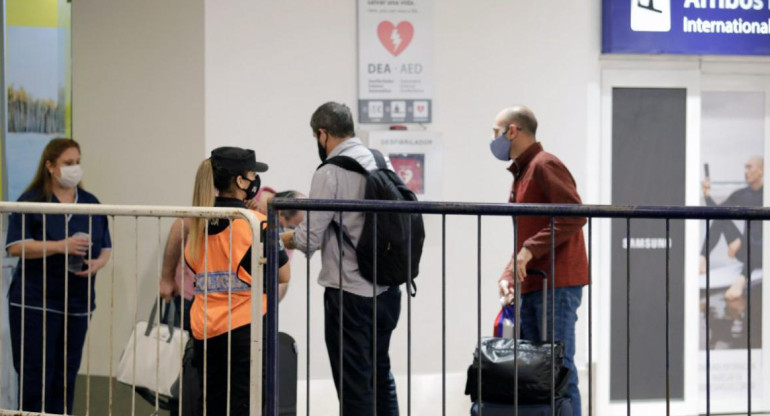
{"x":544,"y":318}
{"x":166,"y":314}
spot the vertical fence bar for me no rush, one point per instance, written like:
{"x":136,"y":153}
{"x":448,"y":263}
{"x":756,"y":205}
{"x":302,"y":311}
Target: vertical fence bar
{"x":205,"y":314}
{"x":668,"y":319}
{"x":45,"y":311}
{"x":182,"y":278}
{"x":88,"y":316}
{"x":478,"y":301}
{"x":443,"y":315}
{"x":341,"y":315}
{"x":66,"y":308}
{"x":272,"y":353}
{"x":66,"y":304}
{"x":708,"y":312}
{"x":748,"y":315}
{"x":24,"y":303}
{"x":157,"y":323}
{"x":307,"y":318}
{"x":409,"y":319}
{"x":113,"y":238}
{"x":257,"y":337}
{"x":553,"y":317}
{"x":628,"y":316}
{"x":230,"y":311}
{"x":374,"y":317}
{"x":517,"y":316}
{"x":136,"y":312}
{"x":590,"y":318}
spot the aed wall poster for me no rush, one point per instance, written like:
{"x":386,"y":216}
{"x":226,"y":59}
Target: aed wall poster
{"x":416,"y":157}
{"x":732,"y":176}
{"x":695,"y":27}
{"x":395,"y":61}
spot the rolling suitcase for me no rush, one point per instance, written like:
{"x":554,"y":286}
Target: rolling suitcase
{"x":503,"y":403}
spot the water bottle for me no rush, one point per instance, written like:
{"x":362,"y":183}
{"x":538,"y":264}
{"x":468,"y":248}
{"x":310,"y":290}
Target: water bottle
{"x":75,"y":262}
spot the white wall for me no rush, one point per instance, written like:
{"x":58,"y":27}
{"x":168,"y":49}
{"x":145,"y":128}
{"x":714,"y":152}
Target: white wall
{"x":277,"y":61}
{"x":138,"y":114}
{"x":155,"y":92}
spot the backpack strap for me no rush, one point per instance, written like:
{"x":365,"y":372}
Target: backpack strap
{"x":350,"y":164}
{"x":347,"y":163}
{"x":379,"y":159}
{"x":345,"y":236}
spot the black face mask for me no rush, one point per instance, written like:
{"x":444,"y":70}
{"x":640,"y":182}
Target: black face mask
{"x":252,"y":188}
{"x":321,"y":150}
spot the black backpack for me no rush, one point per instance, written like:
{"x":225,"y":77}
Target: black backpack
{"x":392,"y":228}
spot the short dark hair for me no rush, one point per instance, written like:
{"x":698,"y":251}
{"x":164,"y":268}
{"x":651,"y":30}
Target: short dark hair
{"x":335,"y":118}
{"x":288,"y":214}
{"x":526,"y":120}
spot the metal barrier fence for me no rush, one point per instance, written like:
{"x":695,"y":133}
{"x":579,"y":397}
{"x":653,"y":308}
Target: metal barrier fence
{"x":48,"y":211}
{"x":516,"y":211}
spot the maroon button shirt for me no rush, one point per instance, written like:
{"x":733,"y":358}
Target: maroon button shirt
{"x":540,"y":177}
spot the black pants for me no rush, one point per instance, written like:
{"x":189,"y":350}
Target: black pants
{"x":216,"y":380}
{"x":357,"y":349}
{"x":56,"y":367}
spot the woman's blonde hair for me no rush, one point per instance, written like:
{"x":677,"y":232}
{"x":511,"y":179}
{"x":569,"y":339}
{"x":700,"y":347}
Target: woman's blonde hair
{"x":203,"y":196}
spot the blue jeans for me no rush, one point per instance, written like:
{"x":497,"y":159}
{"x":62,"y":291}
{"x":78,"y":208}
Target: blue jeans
{"x":357,"y":393}
{"x":565,"y":312}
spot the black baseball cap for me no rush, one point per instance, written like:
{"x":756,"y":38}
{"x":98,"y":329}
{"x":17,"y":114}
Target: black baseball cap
{"x":236,"y":160}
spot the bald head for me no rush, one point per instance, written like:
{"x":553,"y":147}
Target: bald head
{"x":754,"y":171}
{"x":757,"y":160}
{"x":520,"y":116}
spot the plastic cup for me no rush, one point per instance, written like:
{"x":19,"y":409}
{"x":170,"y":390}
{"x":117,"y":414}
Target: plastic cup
{"x":75,"y":262}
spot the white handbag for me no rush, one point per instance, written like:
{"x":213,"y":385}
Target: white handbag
{"x":152,"y":357}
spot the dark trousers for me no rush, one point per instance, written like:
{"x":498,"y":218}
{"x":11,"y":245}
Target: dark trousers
{"x":356,"y":391}
{"x":216,"y":369}
{"x":31,"y":385}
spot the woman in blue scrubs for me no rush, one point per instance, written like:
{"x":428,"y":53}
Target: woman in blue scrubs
{"x":37,"y":292}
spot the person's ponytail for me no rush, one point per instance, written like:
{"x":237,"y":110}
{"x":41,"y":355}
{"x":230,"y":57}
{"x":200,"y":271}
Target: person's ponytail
{"x":204,"y":195}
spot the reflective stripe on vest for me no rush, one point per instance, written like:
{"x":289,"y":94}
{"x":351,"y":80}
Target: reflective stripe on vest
{"x":218,"y":282}
{"x":212,"y":313}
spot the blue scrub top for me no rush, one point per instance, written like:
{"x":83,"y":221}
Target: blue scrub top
{"x":55,"y":271}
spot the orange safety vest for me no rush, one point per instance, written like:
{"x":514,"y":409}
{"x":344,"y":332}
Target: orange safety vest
{"x":209,"y":313}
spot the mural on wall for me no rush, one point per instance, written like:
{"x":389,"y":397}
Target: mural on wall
{"x":38,"y":94}
{"x":37,"y":71}
{"x":732,"y":176}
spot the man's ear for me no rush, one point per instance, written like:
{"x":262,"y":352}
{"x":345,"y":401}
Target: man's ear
{"x":511,"y":131}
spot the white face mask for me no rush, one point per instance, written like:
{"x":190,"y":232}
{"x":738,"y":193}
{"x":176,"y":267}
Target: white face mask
{"x":70,"y":176}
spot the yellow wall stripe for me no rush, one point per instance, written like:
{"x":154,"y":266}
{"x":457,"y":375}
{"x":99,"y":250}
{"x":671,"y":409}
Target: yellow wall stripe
{"x":36,"y":13}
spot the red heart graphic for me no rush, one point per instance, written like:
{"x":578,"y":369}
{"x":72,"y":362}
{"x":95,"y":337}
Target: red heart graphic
{"x":420,"y":108}
{"x":395,"y":38}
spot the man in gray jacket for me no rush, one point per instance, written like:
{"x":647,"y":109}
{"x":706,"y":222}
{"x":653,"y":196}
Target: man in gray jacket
{"x":347,"y":292}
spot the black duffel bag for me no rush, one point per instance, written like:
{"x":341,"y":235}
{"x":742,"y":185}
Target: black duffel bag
{"x":497,"y":357}
{"x":498,"y":371}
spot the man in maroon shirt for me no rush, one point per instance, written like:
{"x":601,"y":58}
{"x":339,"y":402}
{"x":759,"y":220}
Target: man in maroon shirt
{"x":540,"y":177}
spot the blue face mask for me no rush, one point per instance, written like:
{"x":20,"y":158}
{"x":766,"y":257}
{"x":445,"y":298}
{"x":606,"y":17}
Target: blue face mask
{"x":501,"y":147}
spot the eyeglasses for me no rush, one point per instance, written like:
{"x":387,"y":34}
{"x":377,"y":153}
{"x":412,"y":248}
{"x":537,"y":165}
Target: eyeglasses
{"x":497,"y":133}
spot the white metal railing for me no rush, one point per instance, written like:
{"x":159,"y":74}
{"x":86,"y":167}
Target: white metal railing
{"x":113,"y":212}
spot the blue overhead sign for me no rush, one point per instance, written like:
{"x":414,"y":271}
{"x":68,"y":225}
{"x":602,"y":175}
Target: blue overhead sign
{"x":692,"y":27}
